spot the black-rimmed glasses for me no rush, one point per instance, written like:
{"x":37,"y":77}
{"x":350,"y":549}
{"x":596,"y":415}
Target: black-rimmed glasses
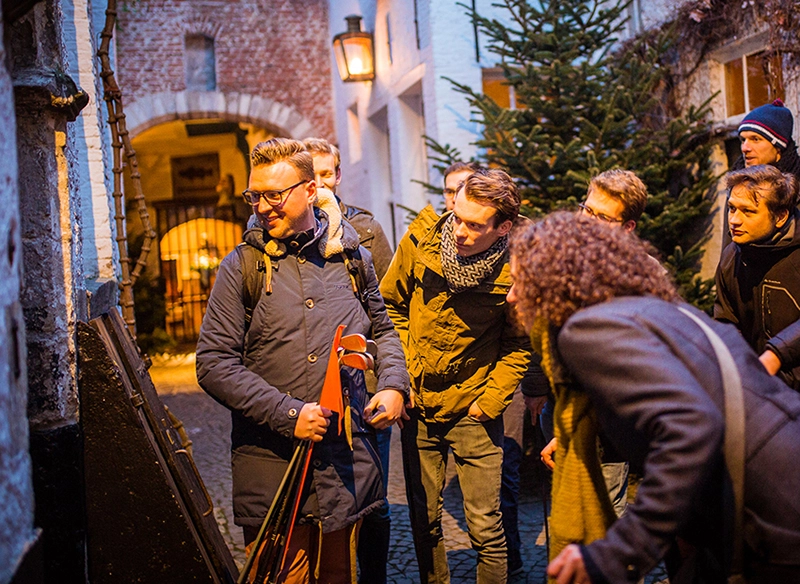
{"x":273,"y":198}
{"x":601,"y":216}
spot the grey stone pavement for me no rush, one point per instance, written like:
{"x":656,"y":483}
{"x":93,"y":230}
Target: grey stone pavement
{"x":208,"y":426}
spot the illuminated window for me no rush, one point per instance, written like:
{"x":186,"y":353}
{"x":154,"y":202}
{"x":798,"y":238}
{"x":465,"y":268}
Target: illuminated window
{"x":746,"y":82}
{"x":496,"y":86}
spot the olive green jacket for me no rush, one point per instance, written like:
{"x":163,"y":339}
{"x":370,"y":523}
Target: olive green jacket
{"x":459,"y":347}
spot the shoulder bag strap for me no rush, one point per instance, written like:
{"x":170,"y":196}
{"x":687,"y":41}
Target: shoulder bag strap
{"x":734,"y":437}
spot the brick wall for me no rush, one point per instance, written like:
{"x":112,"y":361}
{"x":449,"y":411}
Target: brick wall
{"x":278,"y":49}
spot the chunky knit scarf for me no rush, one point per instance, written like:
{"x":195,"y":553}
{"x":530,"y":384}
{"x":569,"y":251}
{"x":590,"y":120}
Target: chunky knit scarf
{"x":581,"y":509}
{"x":463,"y":273}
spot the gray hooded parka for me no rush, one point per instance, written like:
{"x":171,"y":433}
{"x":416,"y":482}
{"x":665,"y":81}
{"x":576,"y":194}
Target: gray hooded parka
{"x":265,"y":374}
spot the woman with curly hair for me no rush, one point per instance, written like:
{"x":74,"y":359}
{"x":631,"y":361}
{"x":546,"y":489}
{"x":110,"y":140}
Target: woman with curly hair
{"x":625,"y":355}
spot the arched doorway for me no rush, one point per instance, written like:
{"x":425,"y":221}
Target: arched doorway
{"x":193,"y":152}
{"x":192,"y":174}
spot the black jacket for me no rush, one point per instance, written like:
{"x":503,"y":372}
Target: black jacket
{"x":758,"y":291}
{"x":656,"y":386}
{"x":371,"y":235}
{"x":265,"y":375}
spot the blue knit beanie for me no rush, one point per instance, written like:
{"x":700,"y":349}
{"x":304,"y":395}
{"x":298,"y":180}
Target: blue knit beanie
{"x":773,"y":121}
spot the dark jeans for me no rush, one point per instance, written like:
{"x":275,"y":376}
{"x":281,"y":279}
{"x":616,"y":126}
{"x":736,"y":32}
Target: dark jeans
{"x":478,"y":453}
{"x":373,"y":541}
{"x":513,"y":419}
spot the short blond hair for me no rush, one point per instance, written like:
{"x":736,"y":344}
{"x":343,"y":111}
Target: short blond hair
{"x":322,"y":146}
{"x":284,"y":150}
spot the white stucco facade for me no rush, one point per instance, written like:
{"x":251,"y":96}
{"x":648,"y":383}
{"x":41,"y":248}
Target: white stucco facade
{"x":381,"y":124}
{"x":89,"y":140}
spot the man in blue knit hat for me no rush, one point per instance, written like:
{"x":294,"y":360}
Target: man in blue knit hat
{"x":766,"y":138}
{"x":765,"y":135}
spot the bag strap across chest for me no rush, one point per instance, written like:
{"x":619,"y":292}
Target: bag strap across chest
{"x":257,"y":269}
{"x":734,"y":445}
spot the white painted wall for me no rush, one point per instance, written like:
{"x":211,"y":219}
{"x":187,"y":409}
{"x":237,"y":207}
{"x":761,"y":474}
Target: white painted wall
{"x":89,"y":139}
{"x":385,"y":120}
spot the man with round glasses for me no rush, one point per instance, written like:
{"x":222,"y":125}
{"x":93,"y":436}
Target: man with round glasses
{"x":617,"y":197}
{"x":266,"y":361}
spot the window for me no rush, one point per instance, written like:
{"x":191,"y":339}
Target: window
{"x":496,"y":86}
{"x":200,"y":63}
{"x":747,"y":82}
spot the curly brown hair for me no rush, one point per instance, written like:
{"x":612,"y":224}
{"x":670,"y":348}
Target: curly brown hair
{"x":565,"y":262}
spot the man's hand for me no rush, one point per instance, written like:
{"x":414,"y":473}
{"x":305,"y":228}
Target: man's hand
{"x":535,"y":405}
{"x":476,"y":413}
{"x":568,"y":567}
{"x":770,"y":361}
{"x":312,"y":422}
{"x":547,"y":454}
{"x":385,"y":408}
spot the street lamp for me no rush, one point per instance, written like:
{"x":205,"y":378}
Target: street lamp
{"x":353,"y":51}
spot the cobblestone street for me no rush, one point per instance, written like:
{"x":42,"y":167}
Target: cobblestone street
{"x":208,"y":426}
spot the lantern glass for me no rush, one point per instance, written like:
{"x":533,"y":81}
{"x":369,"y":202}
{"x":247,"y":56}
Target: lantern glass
{"x":353,"y":52}
{"x":341,"y":60}
{"x":358,"y":51}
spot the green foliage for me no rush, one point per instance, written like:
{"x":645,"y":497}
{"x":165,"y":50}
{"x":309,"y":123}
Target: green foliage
{"x":586,"y":104}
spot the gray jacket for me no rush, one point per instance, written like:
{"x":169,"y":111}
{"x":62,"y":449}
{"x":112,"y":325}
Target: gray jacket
{"x":266,"y":374}
{"x":656,"y":386}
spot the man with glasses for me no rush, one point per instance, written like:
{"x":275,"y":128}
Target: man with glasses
{"x":268,"y":366}
{"x":616,"y":198}
{"x":454,"y":177}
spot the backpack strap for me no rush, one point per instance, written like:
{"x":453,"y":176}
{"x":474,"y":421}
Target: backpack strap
{"x":734,"y":445}
{"x":358,"y":277}
{"x":255,"y":278}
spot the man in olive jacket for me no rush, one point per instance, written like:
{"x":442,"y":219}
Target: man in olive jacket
{"x":445,"y":292}
{"x":270,"y":374}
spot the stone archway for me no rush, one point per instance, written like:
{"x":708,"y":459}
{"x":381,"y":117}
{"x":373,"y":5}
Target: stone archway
{"x":166,"y":106}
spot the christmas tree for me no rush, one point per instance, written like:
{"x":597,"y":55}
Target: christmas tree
{"x":586,"y":103}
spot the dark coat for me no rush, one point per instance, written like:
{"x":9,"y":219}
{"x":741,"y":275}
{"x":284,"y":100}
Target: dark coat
{"x":656,"y":386}
{"x":758,"y":291}
{"x":372,"y":236}
{"x":266,"y":375}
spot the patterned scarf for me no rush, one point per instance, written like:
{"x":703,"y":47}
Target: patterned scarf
{"x":463,"y":273}
{"x":581,"y":510}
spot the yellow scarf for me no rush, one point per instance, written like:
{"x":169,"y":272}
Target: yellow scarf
{"x":581,"y":510}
